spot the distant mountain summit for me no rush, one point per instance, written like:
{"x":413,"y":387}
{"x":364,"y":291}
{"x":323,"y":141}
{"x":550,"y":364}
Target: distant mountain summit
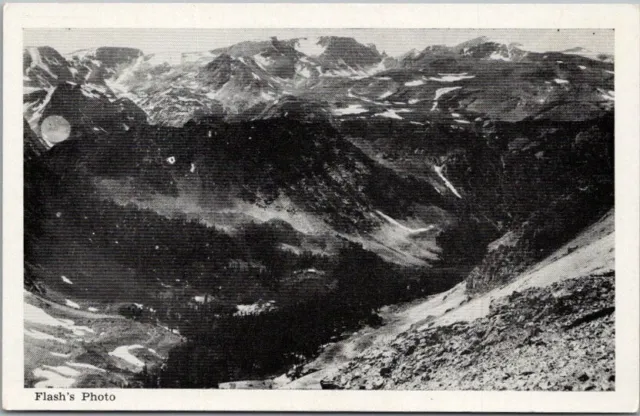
{"x":479,"y":48}
{"x":603,"y":57}
{"x":341,"y":51}
{"x":495,"y":51}
{"x":109,"y":56}
{"x":278,"y":57}
{"x":472,"y":43}
{"x":230,"y":80}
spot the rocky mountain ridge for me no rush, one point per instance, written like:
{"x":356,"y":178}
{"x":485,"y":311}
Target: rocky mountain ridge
{"x":242,"y":76}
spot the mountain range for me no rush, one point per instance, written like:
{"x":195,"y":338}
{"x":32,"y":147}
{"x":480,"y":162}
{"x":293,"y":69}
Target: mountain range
{"x":232,"y":173}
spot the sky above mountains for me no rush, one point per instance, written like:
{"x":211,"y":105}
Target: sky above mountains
{"x":393,"y":41}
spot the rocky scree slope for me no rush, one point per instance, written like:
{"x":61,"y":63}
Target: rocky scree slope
{"x":559,"y":337}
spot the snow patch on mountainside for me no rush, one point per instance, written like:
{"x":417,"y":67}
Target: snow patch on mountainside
{"x":124,"y":353}
{"x":262,"y":61}
{"x":254,"y":308}
{"x":310,"y":46}
{"x":351,"y":109}
{"x":35,"y":315}
{"x":497,"y":56}
{"x":607,"y":95}
{"x":451,"y":77}
{"x":389,"y":114}
{"x":402,"y":227}
{"x":414,"y":83}
{"x":303,"y":71}
{"x":438,"y":170}
{"x":442,"y":91}
{"x":57,"y":354}
{"x":439,"y":93}
{"x":52,"y":379}
{"x":37,"y":61}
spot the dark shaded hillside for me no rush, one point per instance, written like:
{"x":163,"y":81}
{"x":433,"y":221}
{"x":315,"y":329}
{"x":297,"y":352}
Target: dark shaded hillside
{"x":71,"y":190}
{"x":99,"y":114}
{"x":257,"y":162}
{"x":538,"y":184}
{"x":509,"y":174}
{"x":258,"y":346}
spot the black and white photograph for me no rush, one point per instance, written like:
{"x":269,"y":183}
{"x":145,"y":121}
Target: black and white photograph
{"x":405,"y":209}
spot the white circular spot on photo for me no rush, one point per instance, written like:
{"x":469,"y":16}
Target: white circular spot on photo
{"x":171,"y":160}
{"x":55,"y":129}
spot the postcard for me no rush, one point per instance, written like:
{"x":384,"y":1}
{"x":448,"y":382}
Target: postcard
{"x":321,"y":207}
